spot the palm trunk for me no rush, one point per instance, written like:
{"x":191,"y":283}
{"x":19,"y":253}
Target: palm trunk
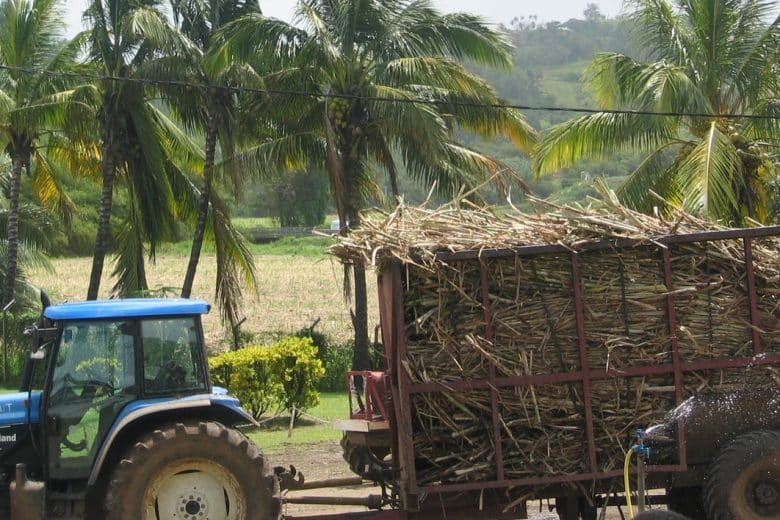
{"x":104,"y":217}
{"x":362,"y":354}
{"x":203,"y":208}
{"x":13,"y":229}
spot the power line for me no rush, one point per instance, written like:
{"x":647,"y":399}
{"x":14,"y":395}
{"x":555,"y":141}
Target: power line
{"x":308,"y":94}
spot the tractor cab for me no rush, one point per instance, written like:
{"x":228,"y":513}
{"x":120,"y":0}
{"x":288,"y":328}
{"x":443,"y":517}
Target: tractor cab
{"x":125,"y":381}
{"x":92,"y":364}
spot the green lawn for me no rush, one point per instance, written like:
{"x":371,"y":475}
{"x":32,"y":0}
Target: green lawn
{"x":272,"y":437}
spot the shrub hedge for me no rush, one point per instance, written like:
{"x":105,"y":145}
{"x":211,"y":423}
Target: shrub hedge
{"x":275,"y":377}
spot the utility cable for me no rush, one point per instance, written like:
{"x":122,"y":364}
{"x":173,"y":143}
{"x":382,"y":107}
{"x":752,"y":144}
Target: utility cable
{"x":435,"y":102}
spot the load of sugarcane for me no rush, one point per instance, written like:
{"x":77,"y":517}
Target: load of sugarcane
{"x":534,"y":327}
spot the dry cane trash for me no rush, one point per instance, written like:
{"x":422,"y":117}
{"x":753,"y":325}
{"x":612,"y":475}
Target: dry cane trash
{"x":534,"y":329}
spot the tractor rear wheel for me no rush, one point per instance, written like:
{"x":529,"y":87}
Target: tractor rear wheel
{"x":744,"y":479}
{"x":193,"y":471}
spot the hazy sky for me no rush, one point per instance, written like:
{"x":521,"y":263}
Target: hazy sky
{"x":494,"y":11}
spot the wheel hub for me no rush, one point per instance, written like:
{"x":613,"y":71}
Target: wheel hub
{"x":762,"y":494}
{"x":766,"y":494}
{"x":193,"y":506}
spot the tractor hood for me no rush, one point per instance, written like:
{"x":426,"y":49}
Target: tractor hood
{"x":14,"y":407}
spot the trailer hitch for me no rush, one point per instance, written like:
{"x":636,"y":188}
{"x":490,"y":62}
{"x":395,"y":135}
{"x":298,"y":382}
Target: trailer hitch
{"x":289,"y":478}
{"x":293,"y":480}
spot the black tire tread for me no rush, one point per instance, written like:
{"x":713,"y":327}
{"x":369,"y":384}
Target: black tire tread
{"x":213,"y":434}
{"x":686,"y":501}
{"x":729,"y":462}
{"x":659,"y":514}
{"x":355,"y":456}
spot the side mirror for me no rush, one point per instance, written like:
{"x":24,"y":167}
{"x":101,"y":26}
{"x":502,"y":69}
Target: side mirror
{"x":38,"y":354}
{"x":39,"y":337}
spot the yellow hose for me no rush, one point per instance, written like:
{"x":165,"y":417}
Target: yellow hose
{"x":626,"y":467}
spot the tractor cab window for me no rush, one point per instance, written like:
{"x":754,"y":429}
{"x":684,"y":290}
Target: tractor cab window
{"x":172,"y":356}
{"x":93,"y":379}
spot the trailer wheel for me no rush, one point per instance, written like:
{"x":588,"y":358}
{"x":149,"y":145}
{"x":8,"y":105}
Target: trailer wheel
{"x":659,"y":514}
{"x":192,"y":471}
{"x":686,"y":501}
{"x":362,"y":460}
{"x":575,"y":508}
{"x":743,"y":482}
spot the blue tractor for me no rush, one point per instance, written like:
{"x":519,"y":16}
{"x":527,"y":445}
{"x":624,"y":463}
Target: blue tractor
{"x":116,"y":418}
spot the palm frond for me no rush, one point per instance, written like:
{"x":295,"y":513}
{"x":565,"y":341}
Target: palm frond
{"x":420,"y":30}
{"x":235,"y":263}
{"x":488,"y":117}
{"x":663,"y":32}
{"x":48,"y":189}
{"x":290,"y":152}
{"x":178,"y":146}
{"x":129,"y":264}
{"x":153,"y":192}
{"x":433,"y":71}
{"x":708,"y":175}
{"x":467,"y":37}
{"x":256,"y":38}
{"x":418,"y":123}
{"x":655,"y":173}
{"x":754,"y":45}
{"x":149,"y":25}
{"x":597,"y":136}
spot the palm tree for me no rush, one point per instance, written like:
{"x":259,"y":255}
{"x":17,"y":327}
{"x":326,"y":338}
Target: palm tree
{"x":213,"y":108}
{"x":33,"y":106}
{"x":385,"y":84}
{"x":137,"y":140}
{"x":34,"y":229}
{"x":711,"y":57}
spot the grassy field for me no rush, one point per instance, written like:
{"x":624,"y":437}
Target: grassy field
{"x":315,"y":426}
{"x":297,"y":284}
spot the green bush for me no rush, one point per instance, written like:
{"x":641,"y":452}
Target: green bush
{"x":319,"y":339}
{"x":280,"y":376}
{"x":295,"y":359}
{"x":246,"y":373}
{"x":337,"y":361}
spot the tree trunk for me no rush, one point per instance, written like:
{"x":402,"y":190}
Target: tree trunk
{"x":362,"y":354}
{"x":203,"y":208}
{"x":13,"y":228}
{"x":104,"y":215}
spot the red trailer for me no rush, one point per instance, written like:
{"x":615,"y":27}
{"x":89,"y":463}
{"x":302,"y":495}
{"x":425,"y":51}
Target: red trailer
{"x":634,"y":330}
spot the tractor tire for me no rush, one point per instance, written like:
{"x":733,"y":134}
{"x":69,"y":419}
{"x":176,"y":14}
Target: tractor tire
{"x":686,"y":501}
{"x":743,"y":482}
{"x":193,"y":471}
{"x":575,"y":508}
{"x":362,"y":461}
{"x":658,"y":514}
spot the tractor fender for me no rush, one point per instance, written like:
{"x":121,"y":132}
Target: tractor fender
{"x":216,"y":406}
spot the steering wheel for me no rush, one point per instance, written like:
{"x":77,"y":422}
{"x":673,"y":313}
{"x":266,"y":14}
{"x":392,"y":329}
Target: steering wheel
{"x":89,"y":386}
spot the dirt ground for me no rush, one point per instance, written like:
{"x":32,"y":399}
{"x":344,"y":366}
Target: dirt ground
{"x":321,"y":461}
